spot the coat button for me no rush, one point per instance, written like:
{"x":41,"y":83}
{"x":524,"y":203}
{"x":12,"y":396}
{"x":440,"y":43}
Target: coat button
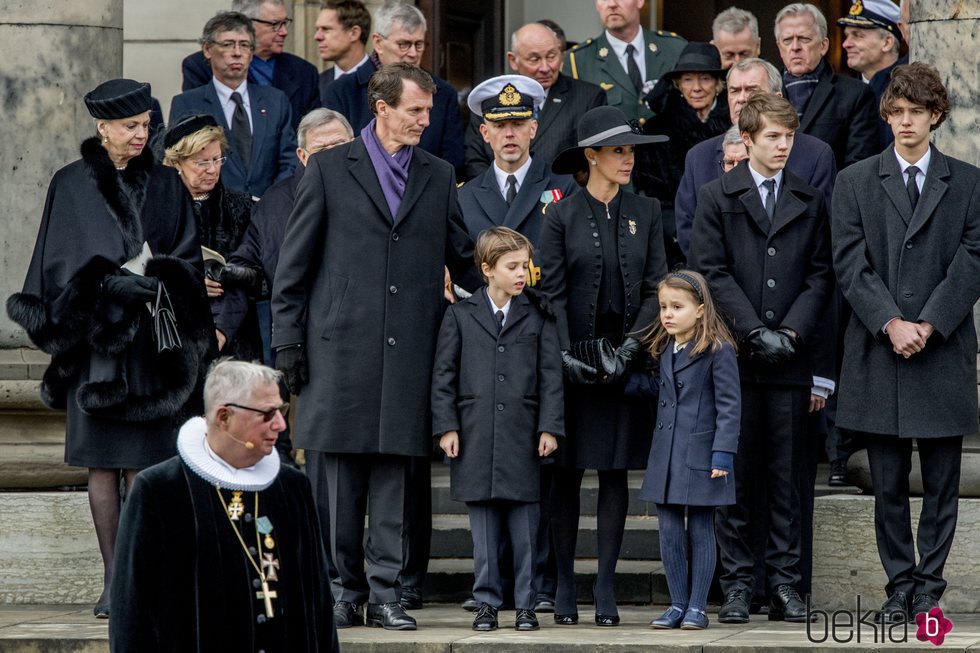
{"x":771,"y":283}
{"x":908,"y":245}
{"x":771,"y":251}
{"x":770,"y":315}
{"x":595,"y":234}
{"x":391,"y":342}
{"x":256,"y":583}
{"x":393,"y":289}
{"x":592,"y":225}
{"x":663,"y":403}
{"x":500,"y":377}
{"x":680,"y":384}
{"x":260,"y":619}
{"x":394,"y":236}
{"x":907,"y":294}
{"x":501,"y":349}
{"x":248,"y":517}
{"x":662,"y":382}
{"x":672,"y":404}
{"x":252,"y":552}
{"x":671,"y":425}
{"x":626,"y":274}
{"x":595,"y":284}
{"x":598,"y":244}
{"x":660,"y":425}
{"x":500,"y":406}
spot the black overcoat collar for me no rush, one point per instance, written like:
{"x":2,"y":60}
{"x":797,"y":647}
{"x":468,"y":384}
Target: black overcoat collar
{"x":933,"y":189}
{"x":791,"y":198}
{"x":362,"y":168}
{"x":478,"y":306}
{"x":487,"y":194}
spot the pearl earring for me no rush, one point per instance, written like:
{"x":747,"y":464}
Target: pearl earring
{"x":592,"y":161}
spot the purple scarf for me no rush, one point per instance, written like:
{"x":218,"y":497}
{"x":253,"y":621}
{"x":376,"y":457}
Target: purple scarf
{"x":392,"y":170}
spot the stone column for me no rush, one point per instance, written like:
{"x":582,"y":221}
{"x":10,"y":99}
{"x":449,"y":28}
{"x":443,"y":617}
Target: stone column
{"x":53,"y":52}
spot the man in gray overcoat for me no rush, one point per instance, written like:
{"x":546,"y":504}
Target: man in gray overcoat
{"x":906,"y":241}
{"x":356,"y":305}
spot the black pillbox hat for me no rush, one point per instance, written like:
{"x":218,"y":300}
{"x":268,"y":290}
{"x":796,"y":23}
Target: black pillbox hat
{"x":118,"y":98}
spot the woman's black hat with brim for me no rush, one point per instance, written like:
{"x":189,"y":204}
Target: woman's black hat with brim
{"x":600,"y":127}
{"x":187,"y":126}
{"x":698,"y":58}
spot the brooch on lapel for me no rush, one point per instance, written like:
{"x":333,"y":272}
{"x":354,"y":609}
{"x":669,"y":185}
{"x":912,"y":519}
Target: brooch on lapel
{"x":632,"y":227}
{"x":262,"y":111}
{"x":548,"y":197}
{"x":653,"y":47}
{"x":603,"y":52}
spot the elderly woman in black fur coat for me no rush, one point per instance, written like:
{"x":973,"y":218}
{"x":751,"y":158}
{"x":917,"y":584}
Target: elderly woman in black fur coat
{"x":196,"y":147}
{"x":116,"y":228}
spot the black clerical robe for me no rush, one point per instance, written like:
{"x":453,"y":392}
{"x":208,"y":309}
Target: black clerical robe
{"x":183,"y":582}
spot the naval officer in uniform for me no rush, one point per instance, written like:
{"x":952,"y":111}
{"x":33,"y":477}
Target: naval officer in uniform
{"x":625,"y":60}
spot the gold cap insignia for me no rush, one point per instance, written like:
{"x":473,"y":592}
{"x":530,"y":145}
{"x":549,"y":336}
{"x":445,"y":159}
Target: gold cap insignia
{"x":603,"y":52}
{"x":857,"y":8}
{"x":509,"y":97}
{"x":653,"y":47}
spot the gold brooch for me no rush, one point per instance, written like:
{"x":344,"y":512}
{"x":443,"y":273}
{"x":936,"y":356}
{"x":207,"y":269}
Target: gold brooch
{"x":653,"y":47}
{"x":603,"y":52}
{"x":509,"y":97}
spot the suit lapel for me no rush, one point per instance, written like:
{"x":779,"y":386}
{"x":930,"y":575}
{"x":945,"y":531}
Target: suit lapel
{"x":518,"y":311}
{"x":932,"y":192}
{"x":488,"y":196}
{"x":788,"y":205}
{"x":527,"y":197}
{"x":480,"y":310}
{"x":557,"y":96}
{"x":739,"y":181}
{"x":418,"y":178}
{"x":894,"y":185}
{"x":683,"y":361}
{"x":363,"y":172}
{"x":820,"y":96}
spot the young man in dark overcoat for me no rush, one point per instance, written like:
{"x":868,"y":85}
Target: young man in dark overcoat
{"x":907,"y":254}
{"x":762,"y":239}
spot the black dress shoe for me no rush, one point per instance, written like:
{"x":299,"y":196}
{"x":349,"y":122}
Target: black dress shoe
{"x":922,"y":603}
{"x":486,"y":618}
{"x":786,"y":605}
{"x":838,"y":473}
{"x":735,"y":610}
{"x":347,"y":614}
{"x":566,"y":619}
{"x":471,"y":605}
{"x":544,"y":603}
{"x":526,"y":620}
{"x":606,"y":620}
{"x":390,"y":616}
{"x":101,"y":610}
{"x":411,"y":598}
{"x":895,"y":610}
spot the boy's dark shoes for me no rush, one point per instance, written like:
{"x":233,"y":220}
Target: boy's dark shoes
{"x":838,"y":473}
{"x":895,"y":610}
{"x":922,"y":603}
{"x":544,"y":603}
{"x":786,"y":605}
{"x":694,"y":619}
{"x":671,"y":618}
{"x":526,"y":620}
{"x":486,"y":618}
{"x":390,"y":616}
{"x":577,"y":371}
{"x":411,"y":598}
{"x":566,"y":619}
{"x":735,"y":610}
{"x":347,"y":614}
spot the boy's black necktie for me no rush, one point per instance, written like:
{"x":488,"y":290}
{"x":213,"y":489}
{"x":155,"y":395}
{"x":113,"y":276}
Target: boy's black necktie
{"x":911,"y":186}
{"x":500,"y":320}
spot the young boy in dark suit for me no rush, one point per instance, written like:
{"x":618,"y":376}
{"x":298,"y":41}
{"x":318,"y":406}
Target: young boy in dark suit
{"x":497,"y":407}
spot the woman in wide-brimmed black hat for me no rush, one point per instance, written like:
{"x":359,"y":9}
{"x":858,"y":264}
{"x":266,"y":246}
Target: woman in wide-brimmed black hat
{"x":602,"y":254}
{"x":691,"y":106}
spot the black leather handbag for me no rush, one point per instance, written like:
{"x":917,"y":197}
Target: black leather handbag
{"x":164,"y":322}
{"x":598,"y":353}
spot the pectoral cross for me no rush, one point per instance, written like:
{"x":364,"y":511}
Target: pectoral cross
{"x":269,"y":566}
{"x":268,"y":595}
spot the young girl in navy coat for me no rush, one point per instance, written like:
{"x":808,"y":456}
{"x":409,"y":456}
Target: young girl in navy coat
{"x":694,"y":439}
{"x":497,"y":407}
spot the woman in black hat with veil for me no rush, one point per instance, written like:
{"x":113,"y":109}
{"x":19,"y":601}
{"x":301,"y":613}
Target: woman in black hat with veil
{"x":602,"y":254}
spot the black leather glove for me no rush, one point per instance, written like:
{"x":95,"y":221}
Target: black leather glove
{"x":769,"y":347}
{"x":240,"y":276}
{"x":576,"y":371}
{"x":626,"y":353}
{"x":128,"y":287}
{"x":291,"y":361}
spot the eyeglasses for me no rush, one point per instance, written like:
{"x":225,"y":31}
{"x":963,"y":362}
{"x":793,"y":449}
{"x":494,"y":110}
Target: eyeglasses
{"x":728,"y":164}
{"x":244,"y":46}
{"x":267,"y":415}
{"x":207,"y":163}
{"x":276,"y":25}
{"x":405,"y":46}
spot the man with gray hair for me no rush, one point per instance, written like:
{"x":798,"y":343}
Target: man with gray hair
{"x":735,"y":32}
{"x":399,"y":35}
{"x":810,"y":159}
{"x":219,"y":547}
{"x":838,"y":110}
{"x":270,"y":66}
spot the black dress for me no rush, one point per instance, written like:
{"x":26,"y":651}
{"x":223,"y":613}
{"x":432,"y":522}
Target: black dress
{"x":122,"y":397}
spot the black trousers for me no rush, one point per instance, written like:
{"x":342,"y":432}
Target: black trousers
{"x":773,"y":428}
{"x":890,"y":458}
{"x":316,"y":471}
{"x":418,"y":522}
{"x":374,"y":484}
{"x":490,"y":523}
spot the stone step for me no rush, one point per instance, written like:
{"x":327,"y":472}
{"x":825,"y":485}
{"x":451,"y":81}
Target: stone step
{"x":638,"y":582}
{"x":451,"y":538}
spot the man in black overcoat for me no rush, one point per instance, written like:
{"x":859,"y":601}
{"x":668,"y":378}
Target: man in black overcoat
{"x":838,"y":110}
{"x":536,"y":52}
{"x":356,"y":305}
{"x":907,"y":254}
{"x":762,"y":239}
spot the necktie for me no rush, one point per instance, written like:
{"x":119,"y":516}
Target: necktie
{"x":511,"y":189}
{"x":911,"y":186}
{"x":500,"y":320}
{"x":241,"y":132}
{"x":632,"y":69}
{"x":770,"y":185}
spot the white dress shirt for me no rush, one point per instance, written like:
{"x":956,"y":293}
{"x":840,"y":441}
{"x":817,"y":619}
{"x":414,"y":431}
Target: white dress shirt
{"x":922,"y":164}
{"x":228,"y":105}
{"x":763,"y":191}
{"x":519,"y":174}
{"x":505,"y":308}
{"x":619,"y":49}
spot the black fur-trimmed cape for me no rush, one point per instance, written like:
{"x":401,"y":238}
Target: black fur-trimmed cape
{"x":95,"y":219}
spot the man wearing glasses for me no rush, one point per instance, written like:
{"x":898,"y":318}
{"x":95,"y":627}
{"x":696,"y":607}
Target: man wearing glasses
{"x":270,"y":66}
{"x":399,"y":35}
{"x":218,"y":547}
{"x":256,"y":118}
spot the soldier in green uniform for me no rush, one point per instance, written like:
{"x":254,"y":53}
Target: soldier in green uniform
{"x":625,"y":60}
